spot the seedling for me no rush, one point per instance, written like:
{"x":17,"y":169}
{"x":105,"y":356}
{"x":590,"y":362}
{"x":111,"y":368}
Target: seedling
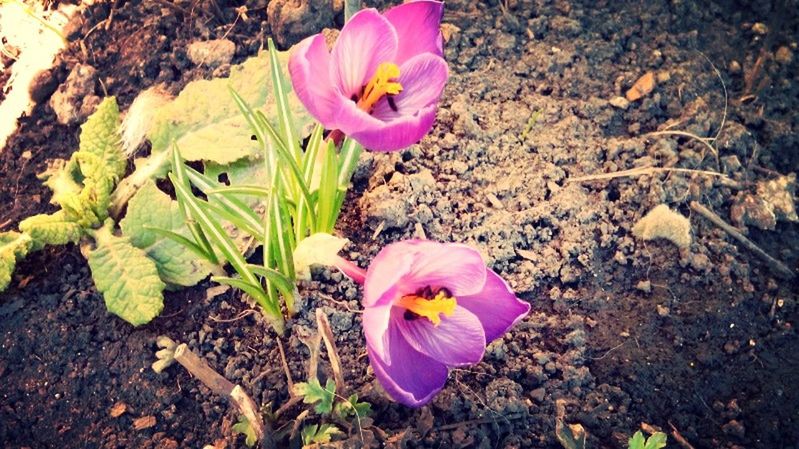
{"x":655,"y":441}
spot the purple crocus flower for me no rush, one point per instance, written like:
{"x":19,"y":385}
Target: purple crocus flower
{"x":381,"y":83}
{"x":428,"y":307}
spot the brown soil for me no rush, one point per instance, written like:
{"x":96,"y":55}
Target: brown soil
{"x":710,"y":347}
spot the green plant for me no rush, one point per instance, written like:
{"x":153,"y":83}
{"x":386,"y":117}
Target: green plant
{"x":302,"y":194}
{"x":655,"y":441}
{"x":131,"y":268}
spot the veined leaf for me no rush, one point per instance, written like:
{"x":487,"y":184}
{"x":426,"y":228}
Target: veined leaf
{"x":126,"y":277}
{"x":53,"y":229}
{"x":149,"y":208}
{"x":328,"y":191}
{"x":205,"y":121}
{"x":282,"y":91}
{"x":179,"y":171}
{"x":313,"y":392}
{"x":222,"y":242}
{"x":318,"y":433}
{"x":100,"y":137}
{"x":243,"y":427}
{"x":13,"y":246}
{"x":232,"y":205}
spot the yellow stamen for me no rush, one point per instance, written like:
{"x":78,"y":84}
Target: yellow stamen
{"x":381,"y":84}
{"x":430,"y":308}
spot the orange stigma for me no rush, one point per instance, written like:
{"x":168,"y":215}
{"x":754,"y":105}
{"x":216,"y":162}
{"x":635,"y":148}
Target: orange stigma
{"x":381,"y":84}
{"x":430,"y":308}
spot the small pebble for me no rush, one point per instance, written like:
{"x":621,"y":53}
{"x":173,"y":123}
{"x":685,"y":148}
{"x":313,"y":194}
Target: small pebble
{"x":619,"y":102}
{"x":784,"y":55}
{"x":760,"y":28}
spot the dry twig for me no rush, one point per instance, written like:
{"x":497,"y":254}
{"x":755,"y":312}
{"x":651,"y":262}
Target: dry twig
{"x":332,"y":352}
{"x":780,"y":268}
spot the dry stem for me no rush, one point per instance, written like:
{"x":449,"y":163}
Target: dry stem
{"x":780,"y":268}
{"x":332,"y":352}
{"x":221,"y":386}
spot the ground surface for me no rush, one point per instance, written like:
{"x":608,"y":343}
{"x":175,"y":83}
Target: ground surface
{"x":706,"y":343}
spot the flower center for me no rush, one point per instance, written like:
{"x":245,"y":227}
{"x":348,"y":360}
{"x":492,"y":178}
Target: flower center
{"x":381,"y":84}
{"x":425,"y":304}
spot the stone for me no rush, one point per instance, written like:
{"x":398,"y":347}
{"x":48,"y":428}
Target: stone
{"x":69,"y":97}
{"x":642,"y":87}
{"x":213,"y":53}
{"x":784,"y":55}
{"x":292,"y":20}
{"x":619,"y":103}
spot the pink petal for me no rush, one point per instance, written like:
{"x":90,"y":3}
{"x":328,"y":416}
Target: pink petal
{"x":411,"y":377}
{"x":418,"y":26}
{"x":309,"y":67}
{"x":423,"y":78}
{"x":390,"y":265}
{"x":496,"y":306}
{"x":456,"y":267}
{"x":458,"y":340}
{"x":366,"y":41}
{"x":375,"y":323}
{"x":397,"y":134}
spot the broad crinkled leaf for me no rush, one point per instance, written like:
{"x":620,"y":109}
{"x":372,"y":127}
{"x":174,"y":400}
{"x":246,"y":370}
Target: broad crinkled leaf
{"x":13,"y":246}
{"x":82,"y":186}
{"x":52,"y":229}
{"x":126,"y":277}
{"x":205,"y":121}
{"x":100,"y":137}
{"x":151,"y":207}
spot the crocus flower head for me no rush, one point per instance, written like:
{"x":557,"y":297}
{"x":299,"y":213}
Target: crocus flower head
{"x":427,"y":307}
{"x":381,"y":83}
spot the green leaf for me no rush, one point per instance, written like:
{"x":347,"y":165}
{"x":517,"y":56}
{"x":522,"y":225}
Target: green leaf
{"x":54,"y":229}
{"x":313,"y":393}
{"x":243,"y":427}
{"x":100,"y":136}
{"x":242,"y":173}
{"x":637,"y":441}
{"x":126,"y":277}
{"x":197,"y":210}
{"x":149,"y":208}
{"x":205,"y":120}
{"x":351,"y":407}
{"x":656,"y":441}
{"x":318,"y":433}
{"x":328,"y":190}
{"x":282,"y":90}
{"x":13,"y":247}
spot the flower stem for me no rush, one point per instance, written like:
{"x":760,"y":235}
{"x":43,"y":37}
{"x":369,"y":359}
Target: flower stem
{"x":351,"y":270}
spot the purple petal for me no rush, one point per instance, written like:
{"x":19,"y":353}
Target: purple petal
{"x":496,"y":306}
{"x":309,"y":67}
{"x":375,"y":323}
{"x":396,"y":134}
{"x":418,"y":26}
{"x":366,"y":41}
{"x":456,"y":267}
{"x":390,"y":265}
{"x":423,"y":78}
{"x":410,"y":377}
{"x":458,"y":340}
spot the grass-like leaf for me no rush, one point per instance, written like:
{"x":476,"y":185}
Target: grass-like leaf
{"x":199,"y":211}
{"x":328,"y":190}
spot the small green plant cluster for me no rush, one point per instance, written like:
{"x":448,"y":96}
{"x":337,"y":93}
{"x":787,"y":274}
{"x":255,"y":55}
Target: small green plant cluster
{"x":329,"y":406}
{"x":655,"y":441}
{"x":135,"y":257}
{"x":304,"y":194}
{"x":130,"y":265}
